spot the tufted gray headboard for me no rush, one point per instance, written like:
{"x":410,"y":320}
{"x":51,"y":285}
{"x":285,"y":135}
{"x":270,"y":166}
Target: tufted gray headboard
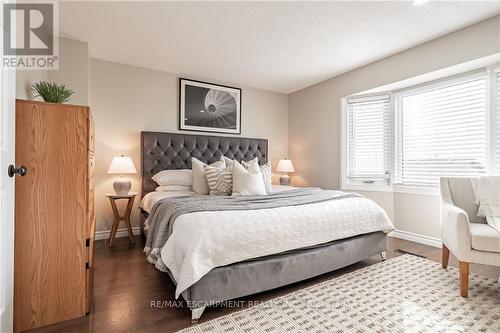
{"x":162,"y":151}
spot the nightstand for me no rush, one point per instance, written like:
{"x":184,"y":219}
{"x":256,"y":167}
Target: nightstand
{"x":117,"y":218}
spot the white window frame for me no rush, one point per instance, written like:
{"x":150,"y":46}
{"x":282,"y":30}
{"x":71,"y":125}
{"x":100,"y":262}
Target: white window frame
{"x":377,"y":186}
{"x":492,"y":105}
{"x":400,"y":188}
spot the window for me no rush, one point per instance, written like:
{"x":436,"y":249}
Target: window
{"x":368,"y":130}
{"x":442,"y":132}
{"x":496,"y":93}
{"x":411,"y":137}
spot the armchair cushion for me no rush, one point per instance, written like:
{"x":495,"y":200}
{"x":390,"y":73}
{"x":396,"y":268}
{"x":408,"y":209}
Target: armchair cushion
{"x":463,"y":196}
{"x":484,"y":237}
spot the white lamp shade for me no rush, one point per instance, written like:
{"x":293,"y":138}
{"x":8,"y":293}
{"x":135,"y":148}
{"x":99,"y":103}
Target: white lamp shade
{"x":285,"y":165}
{"x":122,"y":164}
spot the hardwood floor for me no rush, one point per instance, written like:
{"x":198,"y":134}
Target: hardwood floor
{"x":125,"y":286}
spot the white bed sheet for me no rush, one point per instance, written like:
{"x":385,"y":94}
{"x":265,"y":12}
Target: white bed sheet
{"x":151,"y":198}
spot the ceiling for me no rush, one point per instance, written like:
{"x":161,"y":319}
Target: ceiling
{"x":277,"y":46}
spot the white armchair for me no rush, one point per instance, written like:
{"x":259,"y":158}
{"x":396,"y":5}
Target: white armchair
{"x":463,"y":233}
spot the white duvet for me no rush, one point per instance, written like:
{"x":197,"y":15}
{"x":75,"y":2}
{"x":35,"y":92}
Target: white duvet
{"x":202,"y":241}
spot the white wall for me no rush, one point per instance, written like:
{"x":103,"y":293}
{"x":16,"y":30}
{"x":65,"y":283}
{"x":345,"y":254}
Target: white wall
{"x":315,"y":128}
{"x":126,"y":100}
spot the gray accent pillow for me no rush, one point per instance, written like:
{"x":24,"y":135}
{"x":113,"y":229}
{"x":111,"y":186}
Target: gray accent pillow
{"x":220,"y":181}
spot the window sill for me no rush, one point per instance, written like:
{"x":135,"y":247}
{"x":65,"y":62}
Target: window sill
{"x":369,"y":188}
{"x":430,"y":191}
{"x":394,"y":189}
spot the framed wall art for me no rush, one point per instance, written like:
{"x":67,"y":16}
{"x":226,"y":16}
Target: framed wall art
{"x":209,"y":107}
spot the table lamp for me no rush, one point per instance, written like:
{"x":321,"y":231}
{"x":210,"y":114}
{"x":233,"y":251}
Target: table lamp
{"x":285,"y":165}
{"x":122,"y":165}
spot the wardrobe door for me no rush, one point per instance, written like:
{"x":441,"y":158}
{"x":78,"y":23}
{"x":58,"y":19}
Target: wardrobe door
{"x":50,"y":214}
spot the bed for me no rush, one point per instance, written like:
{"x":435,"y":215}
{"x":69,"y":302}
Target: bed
{"x":164,"y":151}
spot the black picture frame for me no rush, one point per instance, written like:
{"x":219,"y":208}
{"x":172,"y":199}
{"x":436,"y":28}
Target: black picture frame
{"x":209,"y":107}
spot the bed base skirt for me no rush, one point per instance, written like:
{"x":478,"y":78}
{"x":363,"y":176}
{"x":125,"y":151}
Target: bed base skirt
{"x":270,"y":272}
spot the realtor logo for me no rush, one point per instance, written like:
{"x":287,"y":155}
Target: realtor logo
{"x":29,"y":40}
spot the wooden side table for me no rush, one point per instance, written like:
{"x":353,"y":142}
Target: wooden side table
{"x":117,"y":218}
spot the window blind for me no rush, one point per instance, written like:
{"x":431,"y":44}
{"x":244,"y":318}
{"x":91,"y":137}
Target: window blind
{"x":497,"y":119}
{"x":368,"y":128}
{"x":442,"y":131}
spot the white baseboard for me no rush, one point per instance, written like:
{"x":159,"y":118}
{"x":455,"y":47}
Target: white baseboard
{"x":417,"y":238}
{"x":119,"y":233}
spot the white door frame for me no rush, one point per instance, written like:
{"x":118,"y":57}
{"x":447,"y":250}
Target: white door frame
{"x":7,"y":157}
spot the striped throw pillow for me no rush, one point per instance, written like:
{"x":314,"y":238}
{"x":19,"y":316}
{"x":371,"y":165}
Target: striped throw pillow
{"x":220,"y":181}
{"x":267,"y":176}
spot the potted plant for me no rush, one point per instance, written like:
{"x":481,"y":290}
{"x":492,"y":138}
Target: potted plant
{"x":52,"y":92}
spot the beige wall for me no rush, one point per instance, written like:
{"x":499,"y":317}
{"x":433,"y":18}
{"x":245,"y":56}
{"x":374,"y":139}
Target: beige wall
{"x":73,"y":72}
{"x":73,"y":69}
{"x":315,"y":128}
{"x":127,"y":100}
{"x":418,"y":214}
{"x":24,"y":81}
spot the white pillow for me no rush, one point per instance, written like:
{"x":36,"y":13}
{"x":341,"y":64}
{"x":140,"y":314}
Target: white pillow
{"x":199,"y":179}
{"x":227,"y":160}
{"x":171,"y":188}
{"x":265,"y":169}
{"x":174,"y":177}
{"x":253,"y":164}
{"x":246,"y":182}
{"x":267,"y":176}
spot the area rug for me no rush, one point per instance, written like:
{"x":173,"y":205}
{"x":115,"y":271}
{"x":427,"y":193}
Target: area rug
{"x":404,"y":294}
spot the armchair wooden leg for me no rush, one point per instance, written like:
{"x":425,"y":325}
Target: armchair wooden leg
{"x":464,"y":279}
{"x":445,"y":255}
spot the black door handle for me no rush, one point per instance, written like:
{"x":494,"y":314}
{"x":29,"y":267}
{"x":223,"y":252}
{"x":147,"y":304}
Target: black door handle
{"x":20,"y":171}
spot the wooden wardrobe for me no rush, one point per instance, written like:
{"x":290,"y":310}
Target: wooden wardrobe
{"x":54,"y":213}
